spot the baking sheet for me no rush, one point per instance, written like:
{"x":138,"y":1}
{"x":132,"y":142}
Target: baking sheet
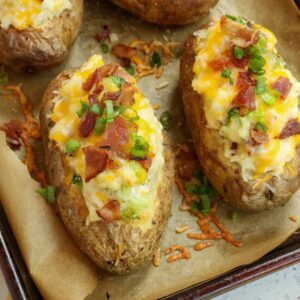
{"x":259,"y":232}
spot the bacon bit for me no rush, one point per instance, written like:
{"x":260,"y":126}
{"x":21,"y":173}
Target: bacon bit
{"x":110,"y":212}
{"x":126,"y":52}
{"x":92,"y":98}
{"x":119,"y":254}
{"x":245,"y":79}
{"x":126,"y":97}
{"x":87,"y":125}
{"x":95,"y":161}
{"x":13,"y":131}
{"x":293,"y":219}
{"x":227,"y":236}
{"x":112,"y":164}
{"x":117,"y":136}
{"x":98,"y":89}
{"x":245,"y":38}
{"x":30,"y":129}
{"x":103,"y":35}
{"x":187,"y":162}
{"x":182,"y":229}
{"x":146,"y":163}
{"x":259,"y":137}
{"x":245,"y":99}
{"x":156,"y":257}
{"x":219,"y":64}
{"x":240,"y":63}
{"x":283,"y":86}
{"x":202,"y":246}
{"x":184,"y":253}
{"x":291,"y":128}
{"x":95,"y":77}
{"x":110,"y":96}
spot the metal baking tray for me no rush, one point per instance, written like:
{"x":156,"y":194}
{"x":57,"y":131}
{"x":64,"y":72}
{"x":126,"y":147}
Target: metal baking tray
{"x":21,"y":286}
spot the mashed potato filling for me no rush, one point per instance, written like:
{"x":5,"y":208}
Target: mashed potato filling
{"x":30,"y":13}
{"x":249,"y":95}
{"x":124,"y":180}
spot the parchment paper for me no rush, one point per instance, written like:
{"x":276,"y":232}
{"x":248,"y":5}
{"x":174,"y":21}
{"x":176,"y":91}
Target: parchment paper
{"x":57,"y":267}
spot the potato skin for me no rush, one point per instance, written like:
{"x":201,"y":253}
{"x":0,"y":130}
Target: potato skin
{"x":33,"y":49}
{"x":167,"y":12}
{"x":227,"y":179}
{"x":100,"y":240}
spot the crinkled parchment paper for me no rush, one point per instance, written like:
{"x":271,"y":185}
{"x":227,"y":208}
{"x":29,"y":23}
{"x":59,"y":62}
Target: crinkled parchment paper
{"x":57,"y":267}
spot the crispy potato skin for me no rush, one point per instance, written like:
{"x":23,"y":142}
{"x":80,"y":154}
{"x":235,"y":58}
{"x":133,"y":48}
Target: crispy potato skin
{"x":227,"y":179}
{"x":100,"y":240}
{"x":33,"y":49}
{"x":167,"y":12}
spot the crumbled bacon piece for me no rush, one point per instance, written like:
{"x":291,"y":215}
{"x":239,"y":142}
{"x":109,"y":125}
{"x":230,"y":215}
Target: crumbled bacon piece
{"x":110,"y":212}
{"x":13,"y":131}
{"x":87,"y":125}
{"x":117,"y":136}
{"x":245,"y":38}
{"x":98,"y":89}
{"x":103,"y":35}
{"x":245,"y":79}
{"x":245,"y":100}
{"x":108,"y":70}
{"x":146,"y":162}
{"x":95,"y":77}
{"x":92,"y":98}
{"x":127,"y":93}
{"x":111,"y":96}
{"x":219,"y":63}
{"x":291,"y":128}
{"x":240,"y":63}
{"x":283,"y":86}
{"x":187,"y":163}
{"x":95,"y":161}
{"x":123,"y":51}
{"x":259,"y":137}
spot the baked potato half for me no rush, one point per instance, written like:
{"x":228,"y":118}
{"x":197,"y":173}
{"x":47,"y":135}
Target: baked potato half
{"x":112,"y":167}
{"x":241,"y":106}
{"x":167,"y":12}
{"x":37,"y":35}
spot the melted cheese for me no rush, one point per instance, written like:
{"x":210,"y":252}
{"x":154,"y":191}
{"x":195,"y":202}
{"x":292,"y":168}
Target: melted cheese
{"x":130,"y":184}
{"x":30,"y":13}
{"x":218,"y":94}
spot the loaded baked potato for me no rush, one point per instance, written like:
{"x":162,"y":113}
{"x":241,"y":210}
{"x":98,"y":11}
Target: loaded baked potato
{"x":36,"y":35}
{"x":106,"y":155}
{"x":241,"y":105}
{"x":167,"y":12}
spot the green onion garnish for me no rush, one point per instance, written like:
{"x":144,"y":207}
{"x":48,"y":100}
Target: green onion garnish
{"x":104,"y":48}
{"x":77,"y":180}
{"x":226,"y":73}
{"x":233,"y":113}
{"x":196,"y":206}
{"x":130,"y":70}
{"x":259,"y":47}
{"x":96,"y":109}
{"x":166,"y":120}
{"x":206,"y":203}
{"x":140,"y":148}
{"x":256,"y":64}
{"x":100,"y":126}
{"x":269,"y":98}
{"x":48,"y":194}
{"x":109,"y":111}
{"x":155,"y":60}
{"x":238,"y":19}
{"x":260,"y":85}
{"x":84,"y":108}
{"x":129,"y":213}
{"x":4,"y":78}
{"x":117,"y":81}
{"x":238,"y":52}
{"x":72,"y":146}
{"x":261,"y":126}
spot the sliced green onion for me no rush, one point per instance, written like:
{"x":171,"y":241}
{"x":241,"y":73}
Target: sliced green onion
{"x":196,"y":206}
{"x":4,"y":78}
{"x":130,"y":113}
{"x":130,"y":70}
{"x":166,"y":120}
{"x":226,"y":73}
{"x":100,"y":126}
{"x":192,"y":188}
{"x":140,"y":148}
{"x":259,"y":47}
{"x":238,"y":19}
{"x":104,"y":48}
{"x":155,"y":60}
{"x":96,"y":109}
{"x":260,"y":85}
{"x":129,"y":213}
{"x":72,"y":145}
{"x":117,"y":81}
{"x":77,"y":180}
{"x":233,"y":113}
{"x":84,"y":108}
{"x":261,"y":126}
{"x":48,"y":194}
{"x":206,"y":203}
{"x":109,"y":111}
{"x":268,"y":98}
{"x":238,"y":52}
{"x":256,"y":64}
